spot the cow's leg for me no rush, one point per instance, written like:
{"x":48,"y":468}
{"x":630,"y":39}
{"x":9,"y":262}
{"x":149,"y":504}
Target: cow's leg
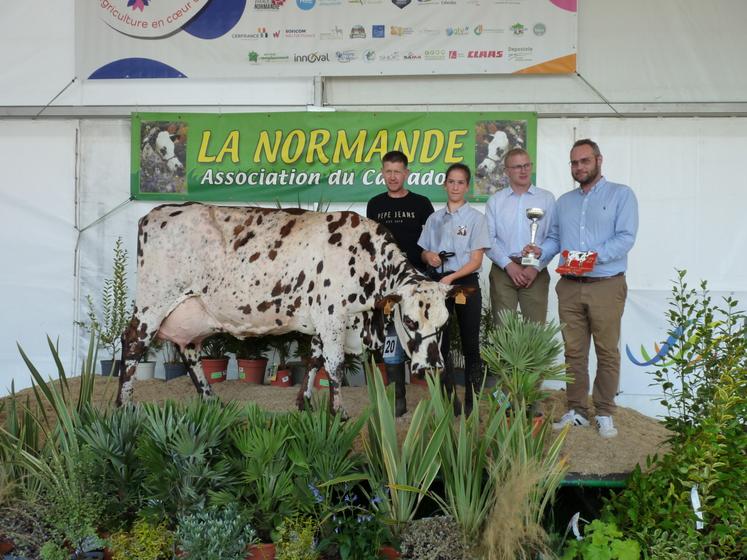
{"x":135,"y":341}
{"x":191,"y":357}
{"x":301,"y":399}
{"x":332,"y":349}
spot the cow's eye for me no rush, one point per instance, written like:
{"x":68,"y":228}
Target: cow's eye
{"x":410,"y":324}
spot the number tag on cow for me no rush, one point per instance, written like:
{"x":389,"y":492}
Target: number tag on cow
{"x":390,"y":346}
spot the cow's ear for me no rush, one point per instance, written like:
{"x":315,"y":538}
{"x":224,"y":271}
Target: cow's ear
{"x":385,"y":303}
{"x":466,"y":291}
{"x":173,"y":136}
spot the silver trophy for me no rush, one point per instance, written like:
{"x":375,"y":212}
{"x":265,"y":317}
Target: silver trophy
{"x":534,"y":215}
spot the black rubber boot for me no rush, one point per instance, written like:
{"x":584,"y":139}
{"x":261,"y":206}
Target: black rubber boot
{"x":396,"y":375}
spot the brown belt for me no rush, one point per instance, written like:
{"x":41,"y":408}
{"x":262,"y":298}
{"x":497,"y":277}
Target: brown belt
{"x":591,"y":279}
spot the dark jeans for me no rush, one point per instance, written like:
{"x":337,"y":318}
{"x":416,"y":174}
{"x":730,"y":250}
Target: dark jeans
{"x":468,"y":320}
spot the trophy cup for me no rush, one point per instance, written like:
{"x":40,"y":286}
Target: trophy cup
{"x":534,"y":215}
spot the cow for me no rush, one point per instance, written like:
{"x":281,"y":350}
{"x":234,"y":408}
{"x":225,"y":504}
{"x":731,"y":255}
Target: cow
{"x":161,"y":143}
{"x":248,"y":271}
{"x":497,"y":147}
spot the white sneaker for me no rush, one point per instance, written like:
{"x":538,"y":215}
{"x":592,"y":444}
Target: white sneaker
{"x":570,"y":418}
{"x":606,"y":427}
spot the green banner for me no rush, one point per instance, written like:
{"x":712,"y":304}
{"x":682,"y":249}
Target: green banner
{"x":317,"y":157}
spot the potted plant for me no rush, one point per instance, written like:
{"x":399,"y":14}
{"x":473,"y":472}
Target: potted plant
{"x":115,"y":311}
{"x":214,"y":360}
{"x":296,"y":539}
{"x":146,"y":368}
{"x":281,"y":344}
{"x":144,"y":541}
{"x":173,"y":365}
{"x":250,"y":357}
{"x":215,"y":534}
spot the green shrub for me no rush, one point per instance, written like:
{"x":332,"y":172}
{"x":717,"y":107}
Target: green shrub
{"x":602,"y":541}
{"x":215,"y":534}
{"x":295,"y":539}
{"x":144,"y":542}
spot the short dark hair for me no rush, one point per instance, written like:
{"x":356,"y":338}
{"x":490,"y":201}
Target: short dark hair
{"x":395,"y":156}
{"x":588,"y":142}
{"x":461,"y":167}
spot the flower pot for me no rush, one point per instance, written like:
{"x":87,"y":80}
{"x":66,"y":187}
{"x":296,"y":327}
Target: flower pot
{"x":537,"y":422}
{"x":282,"y":378}
{"x":145,"y":370}
{"x":174,"y":370}
{"x":264,"y":551}
{"x":322,"y":379}
{"x":388,"y":552}
{"x":382,"y":370}
{"x":252,"y":371}
{"x":107,"y":365}
{"x":6,"y":545}
{"x":214,"y":369}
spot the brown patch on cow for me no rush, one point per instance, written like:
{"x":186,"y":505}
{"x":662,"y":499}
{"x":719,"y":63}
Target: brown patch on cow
{"x":318,"y":299}
{"x":299,"y":280}
{"x":245,"y":309}
{"x":294,"y":211}
{"x":278,"y":322}
{"x":334,"y":226}
{"x":319,"y":267}
{"x":330,"y":217}
{"x":297,"y":302}
{"x":254,"y":257}
{"x":355,"y":220}
{"x":311,"y":286}
{"x":249,"y":220}
{"x":144,"y":309}
{"x":238,"y":229}
{"x":286,"y":229}
{"x":243,"y":241}
{"x":367,"y":245}
{"x":352,"y":272}
{"x":327,"y":282}
{"x":351,"y":262}
{"x":272,"y":254}
{"x":311,"y":300}
{"x":163,"y":225}
{"x":331,"y":309}
{"x":259,"y":220}
{"x":175,"y":213}
{"x":277,"y":290}
{"x":264,"y":306}
{"x":204,"y":290}
{"x":335,"y":238}
{"x":351,"y":298}
{"x":227,"y":219}
{"x":278,"y":243}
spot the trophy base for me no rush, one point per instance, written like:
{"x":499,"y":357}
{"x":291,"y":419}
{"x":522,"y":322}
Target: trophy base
{"x":530,"y":260}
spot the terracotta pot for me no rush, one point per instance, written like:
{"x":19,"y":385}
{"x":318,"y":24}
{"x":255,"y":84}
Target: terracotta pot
{"x":214,"y":370}
{"x":537,"y":422}
{"x":388,"y":552}
{"x":283,"y":378}
{"x":418,"y":380}
{"x":322,"y":379}
{"x":252,"y":371}
{"x":6,"y":545}
{"x":264,"y":551}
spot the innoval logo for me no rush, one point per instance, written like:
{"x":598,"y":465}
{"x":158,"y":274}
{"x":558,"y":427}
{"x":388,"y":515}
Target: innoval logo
{"x":661,"y":352}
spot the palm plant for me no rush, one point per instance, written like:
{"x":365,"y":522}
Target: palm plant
{"x":524,"y":354}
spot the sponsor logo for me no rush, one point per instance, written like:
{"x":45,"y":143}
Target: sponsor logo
{"x":390,"y":56}
{"x":305,"y":4}
{"x":311,"y":58}
{"x":137,"y":4}
{"x":298,"y":32}
{"x":260,"y":34}
{"x":274,"y":57}
{"x":520,"y":54}
{"x":378,"y":31}
{"x":369,"y":55}
{"x":455,"y":31}
{"x":484,"y":54}
{"x":539,"y":29}
{"x":253,"y":56}
{"x":345,"y":56}
{"x":425,"y":2}
{"x":453,"y":55}
{"x":330,"y":2}
{"x":483,"y":29}
{"x":276,"y":34}
{"x":518,"y":29}
{"x":401,"y":3}
{"x":430,"y":31}
{"x":412,"y":56}
{"x":357,"y":32}
{"x":334,"y":33}
{"x":675,"y":346}
{"x":435,"y":54}
{"x":399,"y":31}
{"x":268,"y":4}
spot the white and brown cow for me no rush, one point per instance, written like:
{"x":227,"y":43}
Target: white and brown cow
{"x":255,"y":271}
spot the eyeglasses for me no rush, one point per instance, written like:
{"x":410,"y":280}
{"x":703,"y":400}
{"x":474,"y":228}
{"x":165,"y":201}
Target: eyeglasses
{"x":523,"y":167}
{"x":582,"y":161}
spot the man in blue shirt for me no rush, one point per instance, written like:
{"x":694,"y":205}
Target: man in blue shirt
{"x":512,"y":284}
{"x":598,"y":216}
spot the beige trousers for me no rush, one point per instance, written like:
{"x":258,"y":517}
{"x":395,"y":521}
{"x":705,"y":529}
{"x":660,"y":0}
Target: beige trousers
{"x":505,"y":295}
{"x":592,"y":310}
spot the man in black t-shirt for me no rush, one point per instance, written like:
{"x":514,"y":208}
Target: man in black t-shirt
{"x":403,"y":213}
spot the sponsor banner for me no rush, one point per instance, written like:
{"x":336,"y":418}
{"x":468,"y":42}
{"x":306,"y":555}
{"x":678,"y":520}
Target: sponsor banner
{"x":312,"y":157}
{"x":271,"y":38}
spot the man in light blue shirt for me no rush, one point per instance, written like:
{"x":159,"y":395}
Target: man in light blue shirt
{"x":512,"y":284}
{"x":598,"y":216}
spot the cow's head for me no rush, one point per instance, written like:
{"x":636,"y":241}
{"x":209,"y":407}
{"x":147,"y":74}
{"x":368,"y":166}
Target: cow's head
{"x":420,"y":313}
{"x":497,"y":147}
{"x":162,"y":143}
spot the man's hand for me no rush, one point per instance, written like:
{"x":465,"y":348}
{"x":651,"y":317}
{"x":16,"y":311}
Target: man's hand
{"x":432,"y":258}
{"x":516,"y":274}
{"x":528,"y":275}
{"x":536,"y":250}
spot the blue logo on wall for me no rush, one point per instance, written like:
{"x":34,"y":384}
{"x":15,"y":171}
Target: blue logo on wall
{"x":377,"y":31}
{"x":305,"y":4}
